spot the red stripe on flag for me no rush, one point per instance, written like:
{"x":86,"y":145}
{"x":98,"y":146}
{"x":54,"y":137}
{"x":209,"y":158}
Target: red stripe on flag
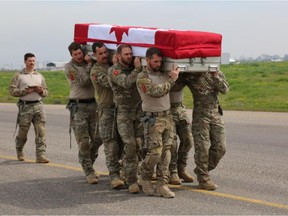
{"x":81,"y":33}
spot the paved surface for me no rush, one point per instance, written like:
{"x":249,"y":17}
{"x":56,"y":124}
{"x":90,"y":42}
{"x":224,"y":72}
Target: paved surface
{"x":252,"y":177}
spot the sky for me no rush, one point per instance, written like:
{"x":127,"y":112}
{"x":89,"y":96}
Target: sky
{"x":46,"y":28}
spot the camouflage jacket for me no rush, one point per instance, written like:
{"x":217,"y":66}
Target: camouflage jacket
{"x":123,"y":84}
{"x":205,"y":88}
{"x":78,"y":76}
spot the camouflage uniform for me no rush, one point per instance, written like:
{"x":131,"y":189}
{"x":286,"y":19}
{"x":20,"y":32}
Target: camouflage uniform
{"x":158,"y":129}
{"x":179,"y":156}
{"x":208,"y":125}
{"x":128,"y":103}
{"x":30,"y":109}
{"x":82,"y":105}
{"x":113,"y":146}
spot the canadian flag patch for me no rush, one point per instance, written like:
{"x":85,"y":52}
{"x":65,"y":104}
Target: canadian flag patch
{"x":94,"y":77}
{"x":116,"y":72}
{"x":144,"y":88}
{"x":71,"y":76}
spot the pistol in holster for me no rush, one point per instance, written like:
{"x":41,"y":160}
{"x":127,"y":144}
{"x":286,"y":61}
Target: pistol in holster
{"x":147,"y":121}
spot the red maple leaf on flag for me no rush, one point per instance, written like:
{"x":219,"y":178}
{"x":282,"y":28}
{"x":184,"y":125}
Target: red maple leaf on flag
{"x":119,"y":31}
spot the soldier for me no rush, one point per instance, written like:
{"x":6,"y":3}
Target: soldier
{"x":208,"y":125}
{"x":106,"y":113}
{"x":30,"y":87}
{"x":179,"y":155}
{"x":82,"y":106}
{"x":122,"y":79}
{"x":154,"y":86}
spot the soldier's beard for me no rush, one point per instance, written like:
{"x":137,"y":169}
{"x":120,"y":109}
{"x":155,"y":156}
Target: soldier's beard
{"x":157,"y":69}
{"x":126,"y":62}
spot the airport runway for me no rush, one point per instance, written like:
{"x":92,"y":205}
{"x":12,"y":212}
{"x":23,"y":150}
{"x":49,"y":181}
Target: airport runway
{"x":252,"y":177}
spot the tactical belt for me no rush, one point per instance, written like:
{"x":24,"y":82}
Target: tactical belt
{"x":89,"y":100}
{"x":106,"y":106}
{"x":29,"y":102}
{"x":158,"y":114}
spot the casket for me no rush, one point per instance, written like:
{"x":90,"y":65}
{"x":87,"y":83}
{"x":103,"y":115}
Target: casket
{"x":190,"y":50}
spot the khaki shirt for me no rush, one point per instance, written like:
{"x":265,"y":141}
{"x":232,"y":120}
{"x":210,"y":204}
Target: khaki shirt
{"x":154,"y":90}
{"x":22,"y":80}
{"x":99,"y":78}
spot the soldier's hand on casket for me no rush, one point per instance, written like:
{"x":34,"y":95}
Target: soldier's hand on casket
{"x":137,"y":63}
{"x":88,"y":59}
{"x":174,"y":73}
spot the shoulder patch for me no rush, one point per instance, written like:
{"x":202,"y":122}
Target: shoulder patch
{"x":115,"y":72}
{"x":94,"y":77}
{"x":71,"y":76}
{"x":143,"y":88}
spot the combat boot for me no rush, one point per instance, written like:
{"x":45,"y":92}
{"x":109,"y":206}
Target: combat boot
{"x":147,"y":187}
{"x":183,"y":174}
{"x":42,"y":159}
{"x":91,"y":178}
{"x":154,"y":177}
{"x":164,"y":191}
{"x":20,"y":156}
{"x":97,"y":175}
{"x":174,"y":179}
{"x":207,"y":185}
{"x":134,"y":188}
{"x":117,"y":183}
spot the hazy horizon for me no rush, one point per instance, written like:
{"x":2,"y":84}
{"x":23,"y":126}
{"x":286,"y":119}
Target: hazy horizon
{"x":46,"y":28}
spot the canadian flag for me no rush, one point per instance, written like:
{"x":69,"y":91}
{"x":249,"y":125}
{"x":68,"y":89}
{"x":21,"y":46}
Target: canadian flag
{"x":175,"y":44}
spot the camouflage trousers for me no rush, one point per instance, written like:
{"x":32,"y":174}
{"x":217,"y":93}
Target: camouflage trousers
{"x":209,"y":141}
{"x":159,"y":139}
{"x":113,"y":145}
{"x":130,"y":129}
{"x":85,"y":122}
{"x":31,"y":113}
{"x":182,"y":126}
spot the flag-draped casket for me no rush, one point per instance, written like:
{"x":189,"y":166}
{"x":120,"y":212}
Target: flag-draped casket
{"x":191,"y":50}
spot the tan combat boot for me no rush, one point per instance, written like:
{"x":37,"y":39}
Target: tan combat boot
{"x":97,"y":175}
{"x":207,"y":185}
{"x":134,"y":188}
{"x":117,"y":183}
{"x":174,"y":179}
{"x":20,"y":156}
{"x":42,"y":159}
{"x":92,"y":179}
{"x":154,"y":177}
{"x":183,"y":174}
{"x":164,"y":191}
{"x":147,"y":187}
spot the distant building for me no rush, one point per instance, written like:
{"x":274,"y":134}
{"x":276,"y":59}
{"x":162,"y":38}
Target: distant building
{"x":53,"y":66}
{"x":226,"y":59}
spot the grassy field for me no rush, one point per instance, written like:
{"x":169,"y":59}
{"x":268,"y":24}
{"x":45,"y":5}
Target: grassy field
{"x":253,"y":86}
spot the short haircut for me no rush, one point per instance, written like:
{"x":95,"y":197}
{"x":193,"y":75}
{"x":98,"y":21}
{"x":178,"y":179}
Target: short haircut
{"x":121,"y":47}
{"x":28,"y":55}
{"x":73,"y":47}
{"x":153,"y":51}
{"x":97,"y":44}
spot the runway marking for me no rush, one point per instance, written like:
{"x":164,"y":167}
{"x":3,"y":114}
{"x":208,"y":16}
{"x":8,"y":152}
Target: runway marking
{"x":230,"y":196}
{"x":213,"y":193}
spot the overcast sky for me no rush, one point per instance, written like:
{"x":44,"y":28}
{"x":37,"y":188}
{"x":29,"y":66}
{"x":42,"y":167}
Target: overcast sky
{"x":46,"y":28}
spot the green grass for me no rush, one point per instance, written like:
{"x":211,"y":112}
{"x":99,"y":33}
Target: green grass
{"x":253,"y":86}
